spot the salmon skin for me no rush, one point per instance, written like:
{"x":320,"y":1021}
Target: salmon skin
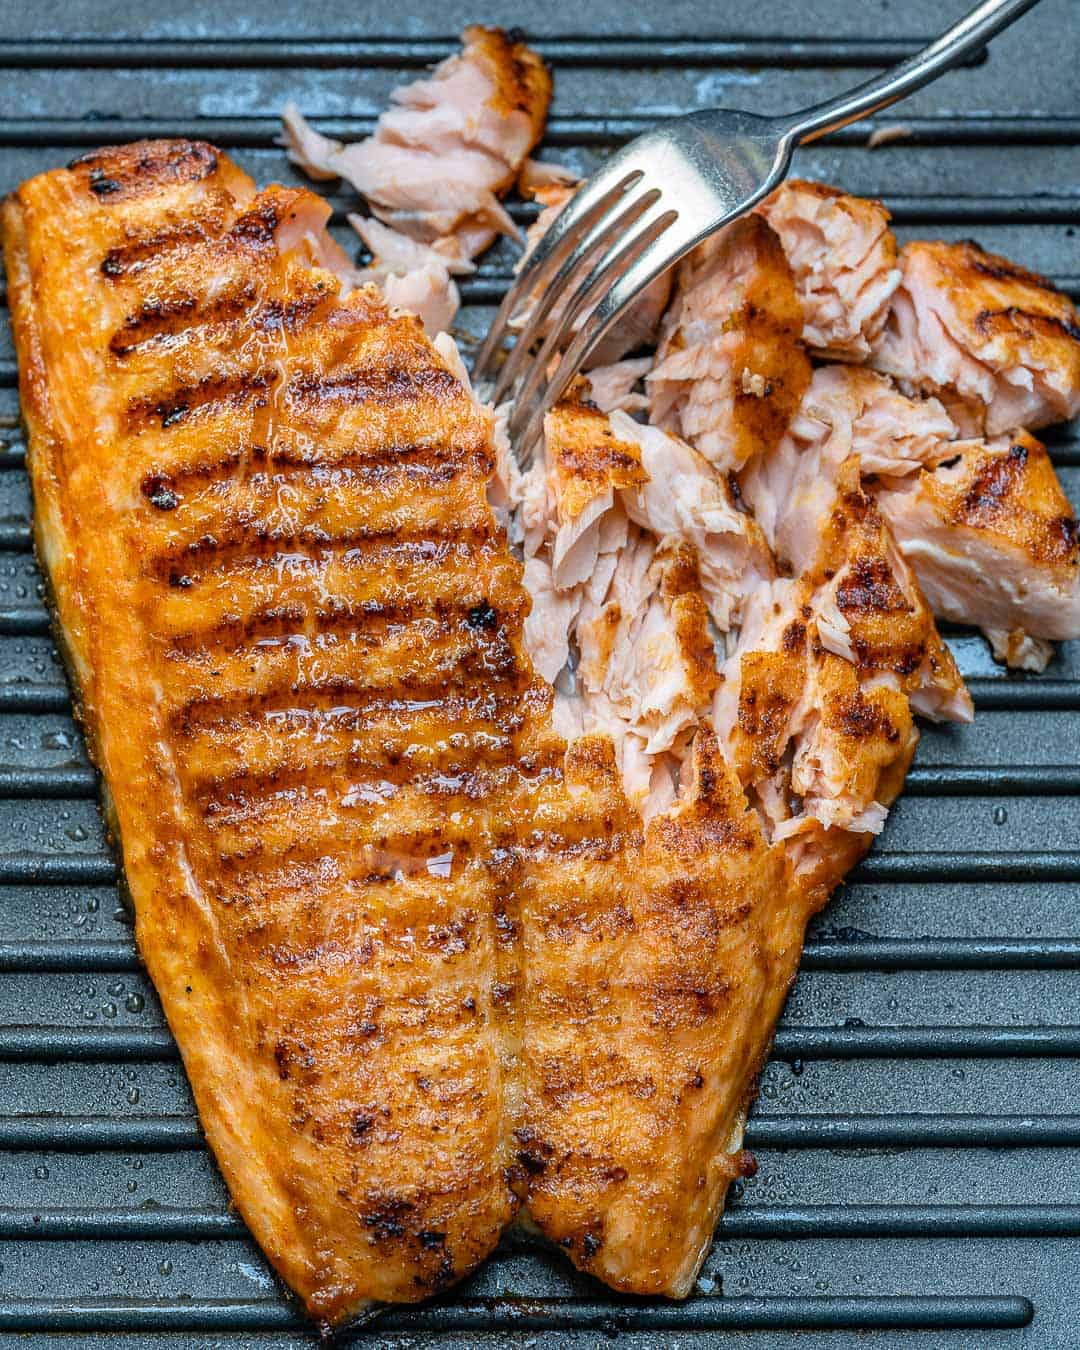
{"x":295,"y":634}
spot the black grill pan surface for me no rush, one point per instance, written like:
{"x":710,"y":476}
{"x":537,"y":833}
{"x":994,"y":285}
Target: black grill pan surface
{"x":918,"y":1130}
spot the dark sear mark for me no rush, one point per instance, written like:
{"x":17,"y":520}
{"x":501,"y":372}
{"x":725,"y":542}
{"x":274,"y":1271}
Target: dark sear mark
{"x":157,"y":488}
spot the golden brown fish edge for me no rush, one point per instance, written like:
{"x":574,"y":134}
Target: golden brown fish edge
{"x":53,"y":547}
{"x":54,"y":551}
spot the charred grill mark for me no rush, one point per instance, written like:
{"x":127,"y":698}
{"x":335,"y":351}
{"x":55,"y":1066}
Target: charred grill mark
{"x":1033,"y":321}
{"x":369,"y":618}
{"x":504,"y":701}
{"x":127,"y":172}
{"x":204,"y":226}
{"x":379,"y":383}
{"x":226,"y":802}
{"x":1003,"y":493}
{"x":451,"y":774}
{"x":997,"y":479}
{"x":422,"y":464}
{"x":1063,"y":536}
{"x":869,"y":587}
{"x":1001,"y":269}
{"x":160,"y":491}
{"x":248,"y":546}
{"x":861,"y":719}
{"x":156,"y":320}
{"x":372,"y":860}
{"x":213,"y":394}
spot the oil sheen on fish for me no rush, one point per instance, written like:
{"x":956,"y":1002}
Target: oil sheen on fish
{"x":295,"y":632}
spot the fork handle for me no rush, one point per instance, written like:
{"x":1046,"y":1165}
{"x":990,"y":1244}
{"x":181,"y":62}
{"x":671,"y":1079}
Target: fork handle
{"x":965,"y":37}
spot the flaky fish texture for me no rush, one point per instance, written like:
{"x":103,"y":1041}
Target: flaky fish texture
{"x":730,"y":367}
{"x":996,"y":341}
{"x":995,"y":543}
{"x":843,"y":255}
{"x":448,"y":148}
{"x":295,"y":631}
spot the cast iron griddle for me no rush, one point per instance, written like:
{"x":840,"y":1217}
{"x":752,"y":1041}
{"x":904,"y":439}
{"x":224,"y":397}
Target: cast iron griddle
{"x":918,"y":1128}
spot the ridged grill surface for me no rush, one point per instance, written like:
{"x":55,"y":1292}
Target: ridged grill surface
{"x":918,"y":1131}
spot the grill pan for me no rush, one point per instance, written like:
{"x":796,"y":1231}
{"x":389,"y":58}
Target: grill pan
{"x":918,"y":1129}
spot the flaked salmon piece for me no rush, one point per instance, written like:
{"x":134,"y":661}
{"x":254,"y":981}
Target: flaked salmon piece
{"x":994,"y":543}
{"x":638,"y":327}
{"x":426,"y":291}
{"x":613,"y":388}
{"x":684,"y":499}
{"x":997,"y":342}
{"x":763,"y":680}
{"x":843,"y":255}
{"x":296,"y":632}
{"x":647,"y":666}
{"x":891,"y":433}
{"x":651,"y":652}
{"x":537,"y":174}
{"x":815,"y":703}
{"x":587,"y":464}
{"x":394,"y":253}
{"x":823,"y":526}
{"x":852,"y":735}
{"x":414,"y":276}
{"x":731,"y":370}
{"x":448,"y":148}
{"x":550,"y":620}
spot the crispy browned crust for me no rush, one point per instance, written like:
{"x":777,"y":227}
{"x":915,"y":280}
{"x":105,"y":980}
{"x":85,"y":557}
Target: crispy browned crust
{"x":586,"y":457}
{"x":1021,"y":311}
{"x":1014,"y":497}
{"x":522,"y":80}
{"x":262,"y":511}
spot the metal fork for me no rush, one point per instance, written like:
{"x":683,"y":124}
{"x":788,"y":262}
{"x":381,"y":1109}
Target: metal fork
{"x":656,"y":199}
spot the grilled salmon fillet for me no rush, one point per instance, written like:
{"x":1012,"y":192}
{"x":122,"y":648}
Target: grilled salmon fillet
{"x":295,"y":631}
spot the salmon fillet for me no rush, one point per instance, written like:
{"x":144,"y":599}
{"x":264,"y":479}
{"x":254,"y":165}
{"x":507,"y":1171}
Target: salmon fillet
{"x":296,"y":635}
{"x":442,"y":945}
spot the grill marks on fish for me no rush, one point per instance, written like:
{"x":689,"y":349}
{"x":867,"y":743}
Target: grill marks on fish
{"x":321,"y":737}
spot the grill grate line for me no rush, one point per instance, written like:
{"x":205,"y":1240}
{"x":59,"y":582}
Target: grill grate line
{"x":260,"y":132}
{"x":904,"y":1311}
{"x":157,"y":1134}
{"x":52,"y":1044}
{"x":68,"y":956}
{"x":329,"y":53}
{"x":166,"y":1223}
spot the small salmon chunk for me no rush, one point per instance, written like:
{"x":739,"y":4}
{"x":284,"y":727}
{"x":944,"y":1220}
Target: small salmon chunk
{"x":997,"y":343}
{"x":449,"y":147}
{"x":730,"y":369}
{"x":994,"y":543}
{"x":843,"y":254}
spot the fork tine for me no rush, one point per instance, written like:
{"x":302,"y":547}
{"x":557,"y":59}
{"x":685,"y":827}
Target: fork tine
{"x":651,"y":223}
{"x":603,"y":236}
{"x":661,"y":250}
{"x":581,"y":212}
